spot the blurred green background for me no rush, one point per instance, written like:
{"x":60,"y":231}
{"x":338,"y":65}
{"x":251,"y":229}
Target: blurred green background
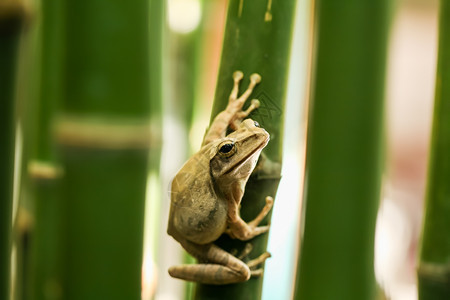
{"x":101,"y":102}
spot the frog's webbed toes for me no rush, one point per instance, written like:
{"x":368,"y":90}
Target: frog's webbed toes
{"x":237,"y":77}
{"x":259,"y":260}
{"x":254,"y":263}
{"x":243,"y":253}
{"x":246,"y":251}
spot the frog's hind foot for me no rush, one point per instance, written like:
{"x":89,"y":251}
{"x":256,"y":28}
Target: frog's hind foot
{"x":257,"y":273}
{"x":217,"y":267}
{"x":245,"y":251}
{"x":254,"y":263}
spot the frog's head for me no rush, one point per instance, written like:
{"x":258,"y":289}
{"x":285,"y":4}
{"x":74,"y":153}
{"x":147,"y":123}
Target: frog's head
{"x":236,"y":154}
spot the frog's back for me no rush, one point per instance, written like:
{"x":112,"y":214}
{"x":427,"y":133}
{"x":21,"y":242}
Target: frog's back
{"x":197,"y":212}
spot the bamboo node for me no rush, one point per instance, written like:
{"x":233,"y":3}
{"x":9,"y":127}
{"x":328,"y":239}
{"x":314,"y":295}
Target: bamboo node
{"x":44,"y":170}
{"x":102,"y":133}
{"x":434,"y":271}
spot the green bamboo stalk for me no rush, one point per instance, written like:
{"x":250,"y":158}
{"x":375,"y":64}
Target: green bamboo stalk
{"x":44,"y":171}
{"x":12,"y":17}
{"x":257,"y":40}
{"x":434,"y":264}
{"x":104,"y":136}
{"x":184,"y":70}
{"x":185,"y":62}
{"x":344,"y":157}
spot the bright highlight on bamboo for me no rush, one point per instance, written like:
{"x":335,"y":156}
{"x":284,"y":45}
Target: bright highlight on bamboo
{"x":12,"y":18}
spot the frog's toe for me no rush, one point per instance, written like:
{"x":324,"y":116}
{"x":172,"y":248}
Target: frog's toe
{"x":257,"y":273}
{"x":238,"y":75}
{"x":255,"y":103}
{"x":259,"y":260}
{"x":246,"y":251}
{"x":269,"y":201}
{"x":255,"y":77}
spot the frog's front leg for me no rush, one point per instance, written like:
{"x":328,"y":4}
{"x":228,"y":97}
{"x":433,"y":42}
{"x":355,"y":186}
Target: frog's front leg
{"x":238,"y":228}
{"x":233,"y":113}
{"x":235,"y":104}
{"x":217,"y":266}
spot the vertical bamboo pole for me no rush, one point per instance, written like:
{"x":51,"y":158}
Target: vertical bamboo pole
{"x":44,"y":184}
{"x":344,"y":157}
{"x":12,"y":16}
{"x":184,"y":65}
{"x":257,"y":40}
{"x":434,"y":264}
{"x":104,"y":136}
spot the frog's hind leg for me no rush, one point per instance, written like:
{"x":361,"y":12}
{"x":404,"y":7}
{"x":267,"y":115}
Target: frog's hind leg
{"x":217,"y":267}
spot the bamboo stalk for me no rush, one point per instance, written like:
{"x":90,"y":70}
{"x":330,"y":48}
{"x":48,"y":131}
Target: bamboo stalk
{"x":185,"y":62}
{"x":434,"y":264}
{"x":344,"y":157}
{"x":104,"y":136}
{"x":44,"y":170}
{"x":12,"y":17}
{"x":257,"y":40}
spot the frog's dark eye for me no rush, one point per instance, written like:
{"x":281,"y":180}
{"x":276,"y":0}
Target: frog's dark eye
{"x":256,"y":124}
{"x":227,"y":149}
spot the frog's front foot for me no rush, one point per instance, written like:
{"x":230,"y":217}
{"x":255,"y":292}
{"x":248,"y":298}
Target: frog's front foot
{"x":243,"y":231}
{"x":236,"y":103}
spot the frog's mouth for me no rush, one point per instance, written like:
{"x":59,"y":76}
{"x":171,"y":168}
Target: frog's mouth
{"x":249,"y":155}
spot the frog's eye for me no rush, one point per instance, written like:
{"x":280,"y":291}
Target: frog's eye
{"x":227,"y":149}
{"x":256,"y":124}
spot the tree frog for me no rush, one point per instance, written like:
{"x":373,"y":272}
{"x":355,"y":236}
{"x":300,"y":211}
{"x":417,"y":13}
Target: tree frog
{"x":206,"y":194}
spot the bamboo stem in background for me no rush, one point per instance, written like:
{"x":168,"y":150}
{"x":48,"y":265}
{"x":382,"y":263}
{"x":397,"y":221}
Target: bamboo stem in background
{"x":44,"y":170}
{"x":104,"y":136}
{"x":257,"y":40}
{"x":344,"y":151}
{"x":12,"y":17}
{"x":185,"y":62}
{"x":434,"y":264}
